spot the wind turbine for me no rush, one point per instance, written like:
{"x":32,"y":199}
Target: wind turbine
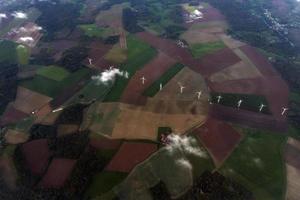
{"x":90,"y":61}
{"x":143,"y":80}
{"x":284,"y":110}
{"x":199,"y":94}
{"x":261,"y":107}
{"x":219,"y":98}
{"x":57,"y":110}
{"x":240,"y":103}
{"x":126,"y":74}
{"x":181,"y":87}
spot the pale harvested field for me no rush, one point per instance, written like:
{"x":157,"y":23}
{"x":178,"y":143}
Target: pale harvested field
{"x":197,"y":36}
{"x":231,"y":42}
{"x":204,"y":32}
{"x":15,"y":137}
{"x":238,"y":71}
{"x":28,"y":101}
{"x":181,"y":112}
{"x":111,"y":17}
{"x":293,"y":169}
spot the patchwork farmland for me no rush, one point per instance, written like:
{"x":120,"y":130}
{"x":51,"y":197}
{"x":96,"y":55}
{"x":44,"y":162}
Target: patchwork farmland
{"x":109,"y":108}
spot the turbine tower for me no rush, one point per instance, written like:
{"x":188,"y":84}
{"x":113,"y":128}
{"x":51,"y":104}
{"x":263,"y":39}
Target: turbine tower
{"x":219,"y":98}
{"x":199,"y":94}
{"x":143,"y":80}
{"x":284,"y":110}
{"x":261,"y":107}
{"x":239,"y":103}
{"x":90,"y":61}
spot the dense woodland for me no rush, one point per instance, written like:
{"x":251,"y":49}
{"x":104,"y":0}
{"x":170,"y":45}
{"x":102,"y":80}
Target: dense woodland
{"x":209,"y":186}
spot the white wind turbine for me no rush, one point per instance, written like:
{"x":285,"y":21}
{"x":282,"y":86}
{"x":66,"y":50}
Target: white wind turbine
{"x":181,"y":87}
{"x":219,"y":98}
{"x":239,"y":103}
{"x":90,"y":61}
{"x":284,"y":110}
{"x":143,"y":80}
{"x":199,"y":94}
{"x":261,"y":107}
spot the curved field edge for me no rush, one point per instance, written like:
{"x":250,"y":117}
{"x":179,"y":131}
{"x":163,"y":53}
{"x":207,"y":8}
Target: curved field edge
{"x":257,"y":163}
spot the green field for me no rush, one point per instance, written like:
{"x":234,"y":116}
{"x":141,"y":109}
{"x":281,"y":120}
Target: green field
{"x":92,"y":91}
{"x":53,"y":72}
{"x":23,"y":54}
{"x":8,"y":51}
{"x":103,"y":182}
{"x":164,"y":79}
{"x":92,"y":30}
{"x":13,"y":53}
{"x":294,"y":96}
{"x":200,"y":50}
{"x":139,"y":53}
{"x":50,"y":87}
{"x":257,"y":163}
{"x":250,"y":102}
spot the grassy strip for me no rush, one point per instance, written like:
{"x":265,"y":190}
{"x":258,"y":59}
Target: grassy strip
{"x":257,"y":163}
{"x":139,"y":53}
{"x":92,"y":30}
{"x":104,"y":182}
{"x":53,"y":72}
{"x":250,"y":102}
{"x":200,"y":50}
{"x":164,"y":79}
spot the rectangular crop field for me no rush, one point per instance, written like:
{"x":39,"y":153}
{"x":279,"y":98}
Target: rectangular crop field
{"x":53,"y":72}
{"x":250,"y":102}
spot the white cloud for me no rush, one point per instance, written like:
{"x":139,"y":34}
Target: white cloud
{"x":19,"y":15}
{"x":26,"y":39}
{"x":109,"y":75}
{"x":3,"y":16}
{"x":185,"y":144}
{"x":183,"y":163}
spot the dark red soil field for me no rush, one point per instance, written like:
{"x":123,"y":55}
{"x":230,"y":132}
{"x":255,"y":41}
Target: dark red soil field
{"x":206,"y":66}
{"x":105,"y":143}
{"x":97,"y":53}
{"x":36,"y":154}
{"x":261,"y":62}
{"x":273,"y":88}
{"x":129,"y":155}
{"x":248,"y":118}
{"x":11,"y":115}
{"x":219,"y":138}
{"x":292,"y":156}
{"x":215,"y":62}
{"x":57,"y":174}
{"x":151,"y":71}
